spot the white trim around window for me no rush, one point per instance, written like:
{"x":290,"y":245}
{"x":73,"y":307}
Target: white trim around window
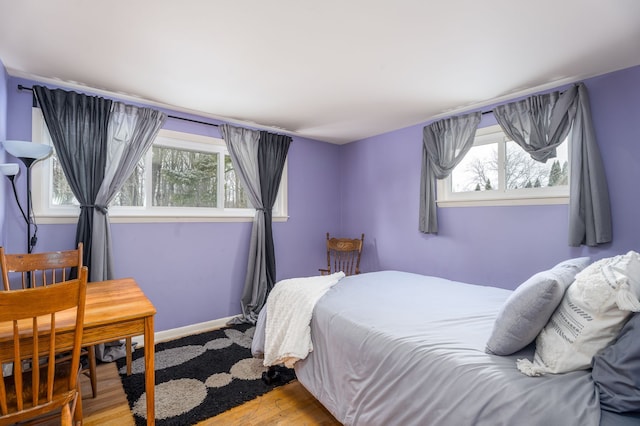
{"x":509,"y":197}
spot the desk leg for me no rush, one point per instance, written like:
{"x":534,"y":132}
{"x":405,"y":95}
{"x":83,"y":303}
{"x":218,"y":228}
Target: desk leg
{"x":149,"y":370}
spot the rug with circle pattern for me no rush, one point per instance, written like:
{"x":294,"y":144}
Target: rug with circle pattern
{"x":199,"y":376}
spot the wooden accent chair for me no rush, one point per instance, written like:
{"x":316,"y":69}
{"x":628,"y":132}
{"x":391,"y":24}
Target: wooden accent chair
{"x":42,"y":270}
{"x":40,"y":386}
{"x":343,"y":254}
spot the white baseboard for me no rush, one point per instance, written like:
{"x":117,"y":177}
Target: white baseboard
{"x":175,"y":333}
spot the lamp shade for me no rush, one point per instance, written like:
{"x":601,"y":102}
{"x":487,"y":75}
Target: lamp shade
{"x":28,"y":152}
{"x":9,"y":169}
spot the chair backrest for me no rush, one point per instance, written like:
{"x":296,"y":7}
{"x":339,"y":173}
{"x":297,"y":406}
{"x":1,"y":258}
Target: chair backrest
{"x":30,"y":336}
{"x":343,"y":254}
{"x":40,"y":269}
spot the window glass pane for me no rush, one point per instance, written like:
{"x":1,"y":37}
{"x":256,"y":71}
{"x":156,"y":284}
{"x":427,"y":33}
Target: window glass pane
{"x":132,"y":193}
{"x":234,"y":194}
{"x":184,"y":178}
{"x":521,"y":171}
{"x":478,"y":171}
{"x":62,"y":194}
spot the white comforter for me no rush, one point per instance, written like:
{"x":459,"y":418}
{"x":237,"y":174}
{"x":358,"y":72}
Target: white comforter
{"x":289,"y":308}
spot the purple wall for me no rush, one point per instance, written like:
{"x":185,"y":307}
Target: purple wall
{"x":4,"y":185}
{"x":499,"y":246}
{"x":194,"y":272}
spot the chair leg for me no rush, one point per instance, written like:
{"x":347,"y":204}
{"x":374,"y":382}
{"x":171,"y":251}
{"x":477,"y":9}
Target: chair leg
{"x":92,"y":370}
{"x":129,"y":355}
{"x":77,"y":413}
{"x":65,"y":415}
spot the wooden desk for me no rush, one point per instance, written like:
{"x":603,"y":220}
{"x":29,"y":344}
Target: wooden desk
{"x":115,"y":310}
{"x":118,"y":309}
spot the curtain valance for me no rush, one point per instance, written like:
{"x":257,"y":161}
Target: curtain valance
{"x":444,"y":145}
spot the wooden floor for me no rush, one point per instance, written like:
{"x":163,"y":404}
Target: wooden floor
{"x":110,"y":408}
{"x":290,"y":404}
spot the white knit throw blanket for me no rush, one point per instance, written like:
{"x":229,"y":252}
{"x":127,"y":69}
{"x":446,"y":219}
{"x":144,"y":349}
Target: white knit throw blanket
{"x":289,"y":308}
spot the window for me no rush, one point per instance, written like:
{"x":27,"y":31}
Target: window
{"x":496,"y":171}
{"x":182,"y":177}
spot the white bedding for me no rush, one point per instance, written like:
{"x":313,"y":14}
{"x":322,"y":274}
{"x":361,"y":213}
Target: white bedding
{"x":289,"y":307}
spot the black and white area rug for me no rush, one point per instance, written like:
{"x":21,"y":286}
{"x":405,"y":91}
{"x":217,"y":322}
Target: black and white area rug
{"x":199,"y":376}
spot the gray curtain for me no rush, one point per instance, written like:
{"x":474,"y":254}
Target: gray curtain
{"x":78,"y":127}
{"x":272,"y":154}
{"x":539,"y":124}
{"x":243,"y":149}
{"x":131,"y":132}
{"x":260,"y":170}
{"x":445,"y":143}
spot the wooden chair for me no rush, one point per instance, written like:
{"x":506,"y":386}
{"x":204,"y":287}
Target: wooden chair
{"x":40,"y":387}
{"x":42,"y":270}
{"x":343,"y":254}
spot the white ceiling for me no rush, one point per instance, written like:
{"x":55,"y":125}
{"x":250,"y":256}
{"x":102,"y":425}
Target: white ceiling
{"x":332,"y":70}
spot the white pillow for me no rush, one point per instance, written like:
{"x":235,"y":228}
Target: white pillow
{"x":590,"y":316}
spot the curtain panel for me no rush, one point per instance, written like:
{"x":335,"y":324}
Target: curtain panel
{"x":243,"y":150}
{"x":272,"y":154}
{"x":445,"y":143}
{"x":78,"y":127}
{"x":539,"y":124}
{"x":130,"y":134}
{"x":258,"y":158}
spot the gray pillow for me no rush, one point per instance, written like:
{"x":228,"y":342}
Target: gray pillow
{"x":530,"y":306}
{"x":616,"y":370}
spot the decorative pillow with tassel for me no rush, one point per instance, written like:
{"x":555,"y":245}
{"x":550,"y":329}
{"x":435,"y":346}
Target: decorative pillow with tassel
{"x":592,"y":312}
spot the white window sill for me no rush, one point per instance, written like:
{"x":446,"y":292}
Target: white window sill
{"x":485,"y":202}
{"x":66,"y":219}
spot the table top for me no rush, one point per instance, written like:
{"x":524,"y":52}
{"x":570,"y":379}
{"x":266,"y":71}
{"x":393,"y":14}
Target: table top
{"x":115,"y":300}
{"x":107,"y":303}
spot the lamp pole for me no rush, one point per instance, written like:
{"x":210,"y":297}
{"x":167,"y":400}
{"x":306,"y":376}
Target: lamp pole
{"x":28,"y":153}
{"x":30,"y":241}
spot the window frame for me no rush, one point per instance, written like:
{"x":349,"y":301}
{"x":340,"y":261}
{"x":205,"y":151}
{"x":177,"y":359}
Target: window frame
{"x":46,"y":212}
{"x":445,"y":197}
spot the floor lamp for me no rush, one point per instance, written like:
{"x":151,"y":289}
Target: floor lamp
{"x":29,"y":153}
{"x":11,"y":170}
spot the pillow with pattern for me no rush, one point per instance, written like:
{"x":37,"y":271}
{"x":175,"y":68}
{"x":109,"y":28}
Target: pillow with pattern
{"x":592,"y":312}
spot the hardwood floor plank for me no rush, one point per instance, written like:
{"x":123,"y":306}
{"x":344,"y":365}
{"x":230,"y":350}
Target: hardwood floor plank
{"x":110,"y":408}
{"x":290,"y":404}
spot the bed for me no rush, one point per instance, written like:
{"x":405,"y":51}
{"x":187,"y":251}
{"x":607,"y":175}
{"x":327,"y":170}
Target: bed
{"x":396,"y":348}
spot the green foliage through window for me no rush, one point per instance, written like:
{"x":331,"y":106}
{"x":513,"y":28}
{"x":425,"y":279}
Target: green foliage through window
{"x":183,"y":178}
